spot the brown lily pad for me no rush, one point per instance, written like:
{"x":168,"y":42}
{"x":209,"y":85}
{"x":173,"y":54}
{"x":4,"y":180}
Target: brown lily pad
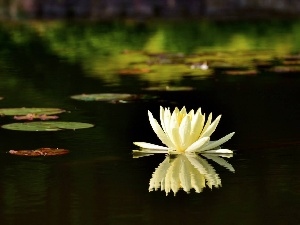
{"x":241,"y":72}
{"x":292,"y":57}
{"x":286,"y":69}
{"x":32,"y":116}
{"x":291,"y":62}
{"x":40,"y":152}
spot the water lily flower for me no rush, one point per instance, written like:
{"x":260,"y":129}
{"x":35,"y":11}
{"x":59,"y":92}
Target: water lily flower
{"x":184,"y":132}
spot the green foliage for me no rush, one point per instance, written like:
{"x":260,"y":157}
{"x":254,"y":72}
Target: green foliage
{"x":105,"y":50}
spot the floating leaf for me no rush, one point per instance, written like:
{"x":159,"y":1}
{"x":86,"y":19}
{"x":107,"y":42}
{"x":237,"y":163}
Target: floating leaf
{"x":31,"y":116}
{"x":113,"y":97}
{"x":292,"y":57}
{"x":169,"y":88}
{"x":166,"y":58}
{"x":40,"y":152}
{"x":291,"y":62}
{"x":104,"y":97}
{"x":25,"y":111}
{"x":286,"y":69}
{"x":46,"y":126}
{"x":241,"y":72}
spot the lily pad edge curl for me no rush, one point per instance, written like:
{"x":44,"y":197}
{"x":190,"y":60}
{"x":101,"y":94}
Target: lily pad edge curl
{"x":47,"y":126}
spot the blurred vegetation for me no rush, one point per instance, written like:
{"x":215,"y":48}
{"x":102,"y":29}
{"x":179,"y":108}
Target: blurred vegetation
{"x":158,"y":51}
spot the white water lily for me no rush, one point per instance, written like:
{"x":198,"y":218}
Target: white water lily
{"x":184,"y":132}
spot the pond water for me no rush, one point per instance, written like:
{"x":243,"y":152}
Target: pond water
{"x":252,"y":79}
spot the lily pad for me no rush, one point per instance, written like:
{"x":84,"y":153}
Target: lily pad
{"x":241,"y":72}
{"x":291,"y":62}
{"x":31,"y":116}
{"x":25,"y":111}
{"x":169,"y":88}
{"x":104,"y":97}
{"x":286,"y":69}
{"x":40,"y":152}
{"x":47,"y":126}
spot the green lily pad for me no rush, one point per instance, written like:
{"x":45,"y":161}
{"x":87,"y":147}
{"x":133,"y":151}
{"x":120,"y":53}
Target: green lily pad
{"x":114,"y":97}
{"x":26,"y":111}
{"x":104,"y":97}
{"x":169,"y":88}
{"x":47,"y":126}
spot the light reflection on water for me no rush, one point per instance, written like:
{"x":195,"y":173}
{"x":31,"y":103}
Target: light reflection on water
{"x":99,"y":182}
{"x":18,"y":193}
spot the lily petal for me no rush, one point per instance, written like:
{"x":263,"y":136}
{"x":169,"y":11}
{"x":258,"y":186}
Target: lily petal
{"x":159,"y":132}
{"x":219,"y":151}
{"x":211,"y":128}
{"x":167,"y":118}
{"x":197,"y":145}
{"x":218,"y":142}
{"x":175,"y":138}
{"x":208,"y":122}
{"x":180,"y":115}
{"x":197,"y":125}
{"x":146,"y":152}
{"x":174,"y":120}
{"x":161,"y":115}
{"x":184,"y":132}
{"x":191,"y":113}
{"x":150,"y":146}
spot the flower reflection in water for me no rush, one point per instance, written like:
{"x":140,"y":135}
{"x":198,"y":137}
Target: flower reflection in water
{"x":187,"y":171}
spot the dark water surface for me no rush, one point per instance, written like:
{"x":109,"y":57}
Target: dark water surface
{"x":43,"y":64}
